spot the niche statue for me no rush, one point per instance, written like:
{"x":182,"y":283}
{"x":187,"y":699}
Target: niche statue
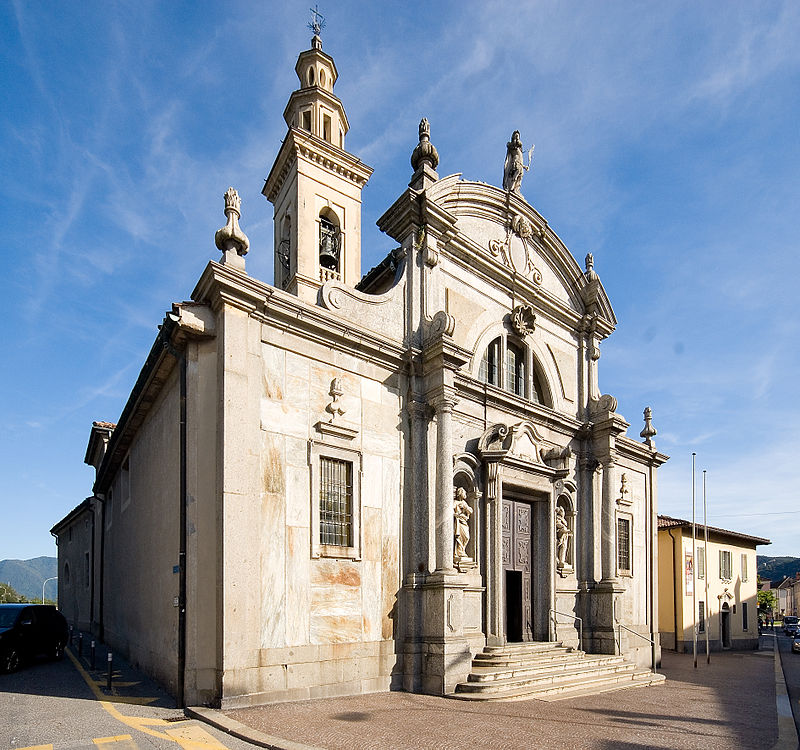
{"x":461,"y":513}
{"x":563,"y":533}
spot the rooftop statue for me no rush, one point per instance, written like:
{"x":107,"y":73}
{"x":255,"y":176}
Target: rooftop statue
{"x":515,"y":167}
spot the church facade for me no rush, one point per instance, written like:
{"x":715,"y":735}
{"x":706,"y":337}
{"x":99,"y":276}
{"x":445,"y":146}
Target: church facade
{"x":338,"y":484}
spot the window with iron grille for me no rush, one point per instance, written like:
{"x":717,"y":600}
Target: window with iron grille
{"x":701,"y":617}
{"x":335,"y":502}
{"x":624,"y":545}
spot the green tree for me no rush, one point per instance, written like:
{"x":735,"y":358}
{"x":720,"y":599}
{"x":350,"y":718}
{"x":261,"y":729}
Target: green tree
{"x":767,"y":601}
{"x":8,"y":595}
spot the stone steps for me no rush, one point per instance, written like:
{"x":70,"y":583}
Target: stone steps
{"x":547,"y":671}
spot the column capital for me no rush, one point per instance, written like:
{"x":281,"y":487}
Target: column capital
{"x":443,"y":399}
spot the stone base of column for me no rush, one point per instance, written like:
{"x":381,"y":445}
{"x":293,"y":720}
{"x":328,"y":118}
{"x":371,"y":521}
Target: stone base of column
{"x":603,"y":635}
{"x":445,"y":653}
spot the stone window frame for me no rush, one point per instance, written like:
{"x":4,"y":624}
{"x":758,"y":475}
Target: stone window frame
{"x":628,"y":517}
{"x":316,"y":451}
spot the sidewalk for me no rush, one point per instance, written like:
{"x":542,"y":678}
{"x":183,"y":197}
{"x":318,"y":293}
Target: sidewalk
{"x":729,"y":704}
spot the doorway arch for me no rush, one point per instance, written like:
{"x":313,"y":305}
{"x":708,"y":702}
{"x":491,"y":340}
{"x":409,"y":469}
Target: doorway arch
{"x":725,"y":625}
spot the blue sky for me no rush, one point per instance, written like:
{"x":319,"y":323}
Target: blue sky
{"x":667,"y":143}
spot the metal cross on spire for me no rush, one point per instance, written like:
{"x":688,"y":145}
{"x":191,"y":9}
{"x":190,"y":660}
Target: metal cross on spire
{"x":317,"y":24}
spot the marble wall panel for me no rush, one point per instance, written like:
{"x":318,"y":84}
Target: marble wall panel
{"x":298,"y":585}
{"x":298,"y":492}
{"x":371,"y":530}
{"x":371,"y":600}
{"x":273,"y":461}
{"x":371,"y":390}
{"x":389,"y":584}
{"x":285,"y":418}
{"x":372,"y":481}
{"x":274,"y":372}
{"x":335,"y":601}
{"x":298,"y":365}
{"x":377,"y":417}
{"x":272,"y":571}
{"x":385,"y":444}
{"x":297,"y":452}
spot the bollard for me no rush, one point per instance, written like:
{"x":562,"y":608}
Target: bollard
{"x":80,"y":645}
{"x":92,"y":653}
{"x":108,"y":673}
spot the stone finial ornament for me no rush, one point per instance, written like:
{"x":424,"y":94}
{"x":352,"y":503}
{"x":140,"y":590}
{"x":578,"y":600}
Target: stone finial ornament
{"x":649,"y":432}
{"x":623,"y":489}
{"x":230,"y":239}
{"x":335,"y":408}
{"x":425,"y":152}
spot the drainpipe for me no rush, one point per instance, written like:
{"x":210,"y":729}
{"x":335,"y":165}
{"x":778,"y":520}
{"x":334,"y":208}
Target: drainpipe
{"x":91,"y":579}
{"x":674,"y":594}
{"x":180,"y":356}
{"x":100,"y":625}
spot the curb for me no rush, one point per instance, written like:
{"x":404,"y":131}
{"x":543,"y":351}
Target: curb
{"x":241,"y":731}
{"x":787,"y":730}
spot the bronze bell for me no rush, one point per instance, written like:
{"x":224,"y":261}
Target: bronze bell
{"x":329,"y":244}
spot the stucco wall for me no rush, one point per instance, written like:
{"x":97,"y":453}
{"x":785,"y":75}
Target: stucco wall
{"x":141,"y":544}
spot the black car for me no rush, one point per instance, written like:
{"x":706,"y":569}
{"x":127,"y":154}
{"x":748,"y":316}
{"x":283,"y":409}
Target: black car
{"x":29,"y":630}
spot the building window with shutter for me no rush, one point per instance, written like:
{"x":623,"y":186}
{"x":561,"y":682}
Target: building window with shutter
{"x":700,"y":565}
{"x":744,"y":568}
{"x":725,"y":565}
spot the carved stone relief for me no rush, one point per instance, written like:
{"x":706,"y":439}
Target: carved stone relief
{"x":516,"y":249}
{"x":523,"y":320}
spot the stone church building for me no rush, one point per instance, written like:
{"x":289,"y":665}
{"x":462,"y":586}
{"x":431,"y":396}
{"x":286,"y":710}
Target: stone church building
{"x":343,"y":483}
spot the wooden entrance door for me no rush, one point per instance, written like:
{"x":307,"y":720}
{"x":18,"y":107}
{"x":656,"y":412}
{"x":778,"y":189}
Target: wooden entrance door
{"x":517,"y":522}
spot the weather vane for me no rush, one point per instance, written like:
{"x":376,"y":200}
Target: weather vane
{"x":318,"y":22}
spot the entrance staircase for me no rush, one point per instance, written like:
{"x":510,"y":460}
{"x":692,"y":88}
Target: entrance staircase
{"x":547,"y":671}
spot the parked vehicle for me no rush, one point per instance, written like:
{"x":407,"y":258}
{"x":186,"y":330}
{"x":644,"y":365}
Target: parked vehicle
{"x":796,"y":643}
{"x":790,"y":624}
{"x":30,"y":630}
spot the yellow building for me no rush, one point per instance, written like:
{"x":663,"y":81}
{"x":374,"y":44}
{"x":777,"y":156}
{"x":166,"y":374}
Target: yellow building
{"x":721,"y":579}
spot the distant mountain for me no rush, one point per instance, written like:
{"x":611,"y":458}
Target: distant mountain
{"x":27,"y":576}
{"x":777,"y":568}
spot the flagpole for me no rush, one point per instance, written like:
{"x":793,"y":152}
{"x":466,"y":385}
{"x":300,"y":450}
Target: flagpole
{"x":705,"y":566}
{"x":694,"y":588}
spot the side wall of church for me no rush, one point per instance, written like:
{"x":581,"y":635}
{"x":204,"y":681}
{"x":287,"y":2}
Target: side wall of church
{"x":301,"y":619}
{"x":141,"y":544}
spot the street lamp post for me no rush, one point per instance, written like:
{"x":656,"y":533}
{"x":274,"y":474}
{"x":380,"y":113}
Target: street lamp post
{"x":54,"y":578}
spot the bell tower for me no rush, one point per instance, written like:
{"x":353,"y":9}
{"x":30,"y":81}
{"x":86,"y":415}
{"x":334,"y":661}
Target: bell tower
{"x":315,"y":185}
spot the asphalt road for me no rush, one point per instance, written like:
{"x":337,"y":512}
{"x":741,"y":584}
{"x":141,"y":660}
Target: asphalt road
{"x":63,"y":704}
{"x":791,"y":673}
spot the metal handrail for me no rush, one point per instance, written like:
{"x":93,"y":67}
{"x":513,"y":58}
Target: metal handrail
{"x":573,"y":617}
{"x":622,"y":627}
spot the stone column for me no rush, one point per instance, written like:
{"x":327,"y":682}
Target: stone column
{"x":444,"y":403}
{"x":608,"y":525}
{"x":420,"y":551}
{"x":494,"y":562}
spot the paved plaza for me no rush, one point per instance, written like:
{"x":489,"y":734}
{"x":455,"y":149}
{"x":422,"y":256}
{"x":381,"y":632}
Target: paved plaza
{"x":729,"y":704}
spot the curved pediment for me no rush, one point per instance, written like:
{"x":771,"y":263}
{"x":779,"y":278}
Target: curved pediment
{"x":504,"y":231}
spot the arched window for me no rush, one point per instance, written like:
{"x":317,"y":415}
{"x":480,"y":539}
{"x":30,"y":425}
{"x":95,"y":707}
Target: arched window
{"x":311,"y":76}
{"x":490,"y":364}
{"x":66,"y":573}
{"x":283,"y":270}
{"x":508,"y":364}
{"x":330,"y":241}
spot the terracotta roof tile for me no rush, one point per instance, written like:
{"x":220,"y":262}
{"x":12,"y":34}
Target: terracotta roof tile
{"x":105,"y":425}
{"x":667,"y":522}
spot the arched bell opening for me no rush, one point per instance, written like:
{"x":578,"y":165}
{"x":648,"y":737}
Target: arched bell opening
{"x":330,"y":245}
